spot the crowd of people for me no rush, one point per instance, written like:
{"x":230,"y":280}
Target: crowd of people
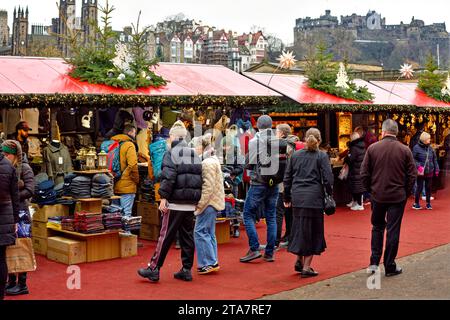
{"x":289,"y":179}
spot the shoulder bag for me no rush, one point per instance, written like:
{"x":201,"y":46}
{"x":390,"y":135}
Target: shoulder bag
{"x":329,"y":203}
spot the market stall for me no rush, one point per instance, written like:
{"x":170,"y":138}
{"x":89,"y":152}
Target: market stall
{"x":337,"y":118}
{"x":69,"y":121}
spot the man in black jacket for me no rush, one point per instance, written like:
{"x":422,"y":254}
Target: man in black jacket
{"x":388,"y":172}
{"x":180,"y":191}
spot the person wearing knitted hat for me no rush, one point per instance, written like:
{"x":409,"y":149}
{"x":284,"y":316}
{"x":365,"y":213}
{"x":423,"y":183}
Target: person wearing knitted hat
{"x":9,"y":210}
{"x":180,"y":191}
{"x":263,"y":189}
{"x":13,"y":152}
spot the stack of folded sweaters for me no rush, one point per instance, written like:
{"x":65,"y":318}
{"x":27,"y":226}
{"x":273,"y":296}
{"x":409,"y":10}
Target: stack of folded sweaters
{"x":68,"y":224}
{"x":112,"y":221}
{"x":131,"y":223}
{"x":147,"y":191}
{"x":89,"y":223}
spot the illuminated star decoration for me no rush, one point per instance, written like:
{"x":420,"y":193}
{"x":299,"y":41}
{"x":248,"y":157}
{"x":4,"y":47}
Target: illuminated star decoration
{"x":406,"y":71}
{"x":286,"y":60}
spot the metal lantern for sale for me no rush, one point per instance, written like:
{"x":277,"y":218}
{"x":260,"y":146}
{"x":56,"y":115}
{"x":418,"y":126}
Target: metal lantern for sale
{"x":103,"y":160}
{"x":90,"y":160}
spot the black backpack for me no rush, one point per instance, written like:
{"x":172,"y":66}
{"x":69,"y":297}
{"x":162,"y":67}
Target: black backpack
{"x":278,"y":176}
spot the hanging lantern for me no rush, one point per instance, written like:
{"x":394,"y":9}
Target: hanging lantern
{"x":102,"y":160}
{"x":90,"y":160}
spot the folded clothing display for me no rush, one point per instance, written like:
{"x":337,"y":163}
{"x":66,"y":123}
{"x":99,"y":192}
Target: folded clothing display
{"x":147,"y":191}
{"x":80,"y":187}
{"x":55,"y":222}
{"x":131,"y":223}
{"x":67,"y":184}
{"x":112,"y":221}
{"x":44,"y":193}
{"x":88,"y":223}
{"x":68,"y":224}
{"x":102,"y":186}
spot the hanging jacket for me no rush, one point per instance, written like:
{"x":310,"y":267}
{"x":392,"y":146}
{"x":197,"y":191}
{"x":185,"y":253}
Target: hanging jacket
{"x":57,"y":162}
{"x":420,"y":152}
{"x":9,"y":202}
{"x":128,"y":165}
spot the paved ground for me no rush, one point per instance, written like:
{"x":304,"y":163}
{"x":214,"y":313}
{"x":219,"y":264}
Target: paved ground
{"x":425,"y":275}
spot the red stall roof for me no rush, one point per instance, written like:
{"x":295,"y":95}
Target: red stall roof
{"x":23,"y":75}
{"x":410,"y":92}
{"x":295,"y":87}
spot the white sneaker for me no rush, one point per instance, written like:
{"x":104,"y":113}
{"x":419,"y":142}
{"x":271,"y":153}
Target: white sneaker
{"x":357,"y":207}
{"x":351,"y":204}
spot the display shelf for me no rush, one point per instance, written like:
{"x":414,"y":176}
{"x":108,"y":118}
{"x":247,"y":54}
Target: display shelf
{"x":99,"y":246}
{"x":97,"y":171}
{"x":84,"y":235}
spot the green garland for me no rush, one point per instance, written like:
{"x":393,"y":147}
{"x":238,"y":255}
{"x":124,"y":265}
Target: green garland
{"x":322,"y":75}
{"x":128,"y":101}
{"x":431,"y":82}
{"x":356,"y":108}
{"x":101,"y":62}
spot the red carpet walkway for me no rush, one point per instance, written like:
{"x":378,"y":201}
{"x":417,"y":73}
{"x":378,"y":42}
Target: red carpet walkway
{"x":347,"y":235}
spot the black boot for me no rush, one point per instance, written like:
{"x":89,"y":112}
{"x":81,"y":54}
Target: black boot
{"x":12,"y":279}
{"x":150,"y":274}
{"x":183,"y":274}
{"x":21,"y":287}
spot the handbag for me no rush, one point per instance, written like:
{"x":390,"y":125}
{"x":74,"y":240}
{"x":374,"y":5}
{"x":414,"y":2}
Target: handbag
{"x":20,"y":257}
{"x":343,"y":174}
{"x":329,"y":203}
{"x":420,"y":169}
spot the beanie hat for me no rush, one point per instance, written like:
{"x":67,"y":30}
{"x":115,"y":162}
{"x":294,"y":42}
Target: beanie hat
{"x":264,"y":122}
{"x":178,"y":129}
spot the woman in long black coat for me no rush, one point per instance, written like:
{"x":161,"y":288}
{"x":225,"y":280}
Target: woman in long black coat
{"x":304,"y":192}
{"x":13,"y":152}
{"x":354,"y":160}
{"x":9,"y":214}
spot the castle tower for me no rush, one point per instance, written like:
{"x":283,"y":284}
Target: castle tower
{"x":20,"y":33}
{"x":4,"y":29}
{"x":66,"y":22}
{"x":89,"y":20}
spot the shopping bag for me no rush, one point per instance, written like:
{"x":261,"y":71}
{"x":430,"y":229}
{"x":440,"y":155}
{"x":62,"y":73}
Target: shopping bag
{"x":20,"y":257}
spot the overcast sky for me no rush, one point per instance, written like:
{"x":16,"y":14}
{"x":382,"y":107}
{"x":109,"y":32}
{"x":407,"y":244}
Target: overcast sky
{"x":277,"y":17}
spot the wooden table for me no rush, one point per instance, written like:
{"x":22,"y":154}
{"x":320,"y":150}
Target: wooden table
{"x":99,"y":246}
{"x":223,"y":230}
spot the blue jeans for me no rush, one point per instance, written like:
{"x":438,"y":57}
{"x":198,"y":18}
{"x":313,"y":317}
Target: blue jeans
{"x":205,"y":238}
{"x":126,"y":202}
{"x":256,"y":196}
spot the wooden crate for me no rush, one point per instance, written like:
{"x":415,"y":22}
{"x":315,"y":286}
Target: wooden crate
{"x":149,"y":213}
{"x":67,"y":251}
{"x":149,"y":232}
{"x":223,"y":231}
{"x":42,"y":214}
{"x":128,"y":245}
{"x":40,"y":230}
{"x":99,"y":246}
{"x":40,"y":245}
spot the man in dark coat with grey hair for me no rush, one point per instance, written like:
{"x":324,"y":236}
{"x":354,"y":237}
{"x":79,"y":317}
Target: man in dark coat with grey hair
{"x":389,"y":173}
